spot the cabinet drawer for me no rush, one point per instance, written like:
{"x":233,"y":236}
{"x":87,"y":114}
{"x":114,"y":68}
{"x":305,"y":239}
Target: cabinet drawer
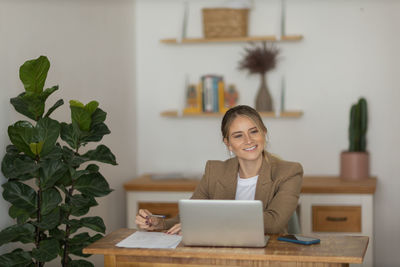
{"x":336,"y":219}
{"x":168,"y":209}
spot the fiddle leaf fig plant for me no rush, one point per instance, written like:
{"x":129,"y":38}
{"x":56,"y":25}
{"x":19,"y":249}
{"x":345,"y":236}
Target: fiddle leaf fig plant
{"x":48,"y":187}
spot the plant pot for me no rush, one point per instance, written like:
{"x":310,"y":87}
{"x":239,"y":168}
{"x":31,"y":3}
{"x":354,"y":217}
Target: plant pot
{"x":263,"y":99}
{"x":354,"y":166}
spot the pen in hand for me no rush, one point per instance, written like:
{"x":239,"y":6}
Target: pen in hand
{"x":157,"y":216}
{"x":155,"y":219}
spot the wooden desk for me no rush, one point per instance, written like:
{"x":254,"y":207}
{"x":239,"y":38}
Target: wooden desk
{"x":321,"y":197}
{"x":333,"y":251}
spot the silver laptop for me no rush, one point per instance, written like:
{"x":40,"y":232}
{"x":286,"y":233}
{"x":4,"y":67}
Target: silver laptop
{"x":230,"y":223}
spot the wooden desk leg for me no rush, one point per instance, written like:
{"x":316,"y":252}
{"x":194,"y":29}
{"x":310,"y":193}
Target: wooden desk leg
{"x":110,"y":261}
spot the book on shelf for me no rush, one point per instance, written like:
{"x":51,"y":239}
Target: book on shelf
{"x":208,"y":93}
{"x":208,"y":96}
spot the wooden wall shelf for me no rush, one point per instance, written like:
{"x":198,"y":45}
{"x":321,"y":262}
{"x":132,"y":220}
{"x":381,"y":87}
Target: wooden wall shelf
{"x":269,"y":38}
{"x":176,"y":114}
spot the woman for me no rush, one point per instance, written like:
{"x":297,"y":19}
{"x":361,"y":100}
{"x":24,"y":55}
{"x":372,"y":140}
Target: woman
{"x":252,"y":174}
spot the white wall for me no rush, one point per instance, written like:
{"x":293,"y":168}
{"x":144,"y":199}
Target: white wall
{"x":90,"y":45}
{"x":350,"y":49}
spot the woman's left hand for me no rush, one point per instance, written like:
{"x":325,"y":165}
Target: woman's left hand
{"x":176,"y":229}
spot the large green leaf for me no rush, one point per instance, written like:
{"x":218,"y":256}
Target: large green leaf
{"x":95,"y":223}
{"x":93,"y":184}
{"x":101,"y":154}
{"x":36,"y":148}
{"x":75,"y":174}
{"x":80,"y":241}
{"x":20,"y":232}
{"x":25,"y":107}
{"x":98,"y":116}
{"x":60,"y":102}
{"x":16,"y":258}
{"x":46,"y":93}
{"x":33,"y":74}
{"x":97,"y":128}
{"x":92,"y":168}
{"x":72,"y":158}
{"x":50,"y":172}
{"x":65,"y":212}
{"x":22,"y":134}
{"x":82,"y":115}
{"x":48,"y":250}
{"x":50,"y":200}
{"x":57,"y":234}
{"x":11,"y":149}
{"x":73,"y":135}
{"x":20,"y":195}
{"x":96,"y":133}
{"x":91,"y":107}
{"x":55,"y":154}
{"x":48,"y":131}
{"x":21,"y":215}
{"x":70,"y":134}
{"x":80,"y":204}
{"x":64,"y":182}
{"x":34,"y":104}
{"x":18,"y":166}
{"x":80,"y":263}
{"x":50,"y":220}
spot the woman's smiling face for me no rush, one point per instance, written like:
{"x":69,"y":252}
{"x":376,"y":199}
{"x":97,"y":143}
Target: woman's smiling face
{"x":245,"y":139}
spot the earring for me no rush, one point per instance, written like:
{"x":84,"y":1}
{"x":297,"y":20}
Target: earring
{"x":231,"y":153}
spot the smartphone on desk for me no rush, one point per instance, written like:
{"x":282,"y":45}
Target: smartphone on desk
{"x":299,"y":239}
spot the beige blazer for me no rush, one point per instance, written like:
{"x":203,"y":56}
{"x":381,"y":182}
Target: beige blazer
{"x":278,"y":187}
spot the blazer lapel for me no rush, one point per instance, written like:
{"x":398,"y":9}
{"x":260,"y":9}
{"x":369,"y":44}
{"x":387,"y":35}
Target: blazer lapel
{"x":226,"y":185}
{"x":264,"y":182}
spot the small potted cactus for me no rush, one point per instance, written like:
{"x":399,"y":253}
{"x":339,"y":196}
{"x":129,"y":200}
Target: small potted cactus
{"x":354,"y":163}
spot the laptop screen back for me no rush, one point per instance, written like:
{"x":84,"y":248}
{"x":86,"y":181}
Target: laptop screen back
{"x":232,"y":223}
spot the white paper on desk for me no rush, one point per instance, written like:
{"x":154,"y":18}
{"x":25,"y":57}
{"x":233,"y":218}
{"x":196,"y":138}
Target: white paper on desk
{"x":150,"y":240}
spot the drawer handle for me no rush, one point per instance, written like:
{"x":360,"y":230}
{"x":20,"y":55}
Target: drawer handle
{"x":336,"y":219}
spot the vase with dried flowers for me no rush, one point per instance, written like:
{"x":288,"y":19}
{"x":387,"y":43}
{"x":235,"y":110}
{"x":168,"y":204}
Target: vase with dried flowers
{"x":259,"y":59}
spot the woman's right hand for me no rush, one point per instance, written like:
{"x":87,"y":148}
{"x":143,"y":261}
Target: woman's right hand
{"x":145,"y":221}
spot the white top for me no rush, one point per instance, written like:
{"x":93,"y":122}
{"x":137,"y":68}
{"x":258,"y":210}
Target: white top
{"x":246,"y":188}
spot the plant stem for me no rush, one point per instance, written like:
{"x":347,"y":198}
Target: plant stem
{"x":67,"y":227}
{"x":37,"y":230}
{"x":65,"y":256}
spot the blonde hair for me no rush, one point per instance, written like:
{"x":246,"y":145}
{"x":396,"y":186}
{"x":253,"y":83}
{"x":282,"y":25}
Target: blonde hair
{"x":241,"y":110}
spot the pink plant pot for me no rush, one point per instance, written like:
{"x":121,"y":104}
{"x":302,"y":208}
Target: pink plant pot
{"x":354,"y":166}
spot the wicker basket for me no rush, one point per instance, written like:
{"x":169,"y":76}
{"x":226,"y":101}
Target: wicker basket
{"x":225,"y":22}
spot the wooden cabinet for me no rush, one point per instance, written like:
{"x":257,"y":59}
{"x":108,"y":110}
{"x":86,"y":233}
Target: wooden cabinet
{"x":332,"y":206}
{"x":327,"y":205}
